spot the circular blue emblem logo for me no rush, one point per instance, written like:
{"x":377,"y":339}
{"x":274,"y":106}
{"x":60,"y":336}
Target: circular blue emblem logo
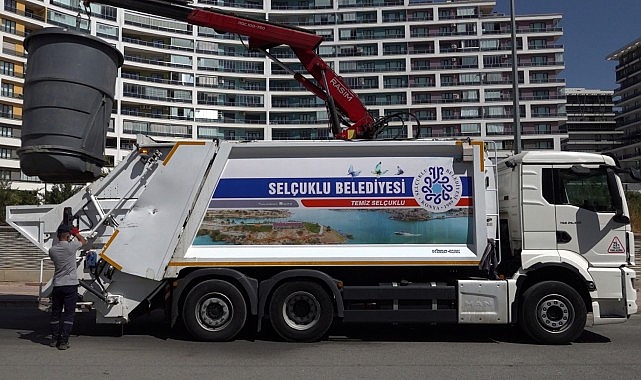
{"x":437,"y":188}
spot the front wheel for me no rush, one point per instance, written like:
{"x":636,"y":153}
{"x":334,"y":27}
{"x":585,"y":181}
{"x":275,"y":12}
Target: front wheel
{"x":552,"y":312}
{"x":301,"y":311}
{"x":214,"y":310}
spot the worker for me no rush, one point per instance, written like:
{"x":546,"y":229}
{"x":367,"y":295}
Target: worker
{"x":65,"y":284}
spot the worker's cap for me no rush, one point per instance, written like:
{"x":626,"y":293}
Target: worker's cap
{"x":63,"y":228}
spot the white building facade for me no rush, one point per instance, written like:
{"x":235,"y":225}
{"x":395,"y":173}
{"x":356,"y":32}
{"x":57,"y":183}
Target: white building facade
{"x":447,"y":62}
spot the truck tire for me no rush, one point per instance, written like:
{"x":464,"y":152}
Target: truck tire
{"x":301,"y":311}
{"x":552,"y":312}
{"x":214,"y":310}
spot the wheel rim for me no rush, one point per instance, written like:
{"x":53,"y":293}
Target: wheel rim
{"x":214,"y":311}
{"x":301,"y":310}
{"x":555,"y":313}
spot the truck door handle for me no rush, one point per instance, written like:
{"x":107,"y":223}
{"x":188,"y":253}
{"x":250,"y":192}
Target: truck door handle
{"x":563,"y":237}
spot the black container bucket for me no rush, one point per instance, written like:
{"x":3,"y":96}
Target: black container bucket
{"x":68,"y":97}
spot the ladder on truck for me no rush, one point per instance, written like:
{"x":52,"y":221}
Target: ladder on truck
{"x":493,"y":251}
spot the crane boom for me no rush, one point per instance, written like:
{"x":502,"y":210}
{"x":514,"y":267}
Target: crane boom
{"x":348,"y":116}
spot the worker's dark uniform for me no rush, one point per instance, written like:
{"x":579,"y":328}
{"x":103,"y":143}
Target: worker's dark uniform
{"x":65,"y":289}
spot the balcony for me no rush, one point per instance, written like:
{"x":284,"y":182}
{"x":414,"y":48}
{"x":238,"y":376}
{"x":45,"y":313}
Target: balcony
{"x":155,"y":44}
{"x":234,"y":3}
{"x":369,"y":3}
{"x":139,"y":21}
{"x":9,"y":115}
{"x":28,"y":13}
{"x":152,"y":79}
{"x":156,"y":62}
{"x":421,"y":51}
{"x":232,"y":103}
{"x":14,"y":52}
{"x":547,"y":46}
{"x":154,"y":115}
{"x":156,"y":129}
{"x":132,"y":94}
{"x":283,"y":5}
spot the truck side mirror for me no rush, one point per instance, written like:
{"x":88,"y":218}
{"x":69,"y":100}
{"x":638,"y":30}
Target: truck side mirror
{"x":617,"y":200}
{"x":620,"y":218}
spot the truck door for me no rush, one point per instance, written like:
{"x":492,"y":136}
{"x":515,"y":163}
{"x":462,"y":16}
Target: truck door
{"x":586,"y":200}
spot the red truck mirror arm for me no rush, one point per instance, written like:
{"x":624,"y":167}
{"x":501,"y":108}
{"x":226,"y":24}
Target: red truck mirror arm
{"x":348,"y":116}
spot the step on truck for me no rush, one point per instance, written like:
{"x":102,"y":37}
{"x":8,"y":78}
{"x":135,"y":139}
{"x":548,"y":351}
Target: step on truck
{"x":303,"y":234}
{"x":227,"y":236}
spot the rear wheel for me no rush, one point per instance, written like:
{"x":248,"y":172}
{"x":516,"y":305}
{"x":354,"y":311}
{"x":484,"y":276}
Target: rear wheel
{"x":214,"y":310}
{"x":301,"y":311}
{"x":552,"y":312}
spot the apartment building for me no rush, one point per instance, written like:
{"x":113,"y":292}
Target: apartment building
{"x":628,"y":100}
{"x":590,"y":121}
{"x":447,"y":62}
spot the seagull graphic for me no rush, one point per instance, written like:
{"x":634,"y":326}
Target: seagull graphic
{"x":399,"y":171}
{"x":353,"y":172}
{"x":378,"y":171}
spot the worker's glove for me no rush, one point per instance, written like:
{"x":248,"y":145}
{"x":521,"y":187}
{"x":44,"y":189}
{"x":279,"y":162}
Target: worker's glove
{"x":75,"y":231}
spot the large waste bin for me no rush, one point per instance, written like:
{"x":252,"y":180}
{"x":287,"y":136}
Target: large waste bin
{"x":68,"y":98}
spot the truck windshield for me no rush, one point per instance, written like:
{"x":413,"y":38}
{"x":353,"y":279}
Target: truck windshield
{"x":588,"y":190}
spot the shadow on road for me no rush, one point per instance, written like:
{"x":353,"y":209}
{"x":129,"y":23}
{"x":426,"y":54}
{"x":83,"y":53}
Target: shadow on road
{"x":32,"y":324}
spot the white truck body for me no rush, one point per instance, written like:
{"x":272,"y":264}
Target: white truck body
{"x":371,"y":231}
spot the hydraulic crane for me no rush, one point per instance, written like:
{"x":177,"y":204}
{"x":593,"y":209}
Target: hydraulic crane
{"x":349,"y":119}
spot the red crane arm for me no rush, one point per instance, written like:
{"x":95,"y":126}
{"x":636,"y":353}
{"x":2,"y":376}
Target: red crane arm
{"x":264,"y":35}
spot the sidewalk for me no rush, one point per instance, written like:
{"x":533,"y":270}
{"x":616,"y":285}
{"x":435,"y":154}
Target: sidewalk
{"x":18,"y":293}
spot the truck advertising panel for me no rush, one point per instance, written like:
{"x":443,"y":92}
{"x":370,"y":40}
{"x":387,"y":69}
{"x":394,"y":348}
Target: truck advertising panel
{"x":356,"y":200}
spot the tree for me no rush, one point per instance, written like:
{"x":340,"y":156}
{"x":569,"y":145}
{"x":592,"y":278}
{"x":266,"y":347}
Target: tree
{"x":60,"y":193}
{"x":11,"y":197}
{"x":5,"y":199}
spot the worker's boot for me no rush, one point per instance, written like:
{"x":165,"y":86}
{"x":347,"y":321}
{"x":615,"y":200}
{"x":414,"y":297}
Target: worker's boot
{"x":64,"y":335}
{"x":63,"y":345}
{"x":54,"y":341}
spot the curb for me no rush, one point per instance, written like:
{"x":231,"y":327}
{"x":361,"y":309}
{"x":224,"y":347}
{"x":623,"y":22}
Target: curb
{"x":19,"y":294}
{"x":16,"y":300}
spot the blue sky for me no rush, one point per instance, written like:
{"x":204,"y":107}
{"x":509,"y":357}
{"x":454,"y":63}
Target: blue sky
{"x":592,"y":29}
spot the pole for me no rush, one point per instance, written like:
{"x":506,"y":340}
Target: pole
{"x":515,"y":85}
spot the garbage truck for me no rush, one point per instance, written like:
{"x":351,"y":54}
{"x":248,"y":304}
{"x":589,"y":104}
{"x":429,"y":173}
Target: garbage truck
{"x":226,"y":236}
{"x":307,"y":233}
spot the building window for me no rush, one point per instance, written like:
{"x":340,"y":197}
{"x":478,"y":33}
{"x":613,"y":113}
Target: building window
{"x":537,"y":27}
{"x":10,"y":5}
{"x":6,"y":131}
{"x":540,"y":61}
{"x":6,"y":111}
{"x":108,"y":31}
{"x":495,"y":129}
{"x":539,"y":78}
{"x":466,"y":12}
{"x":542,"y":129}
{"x":7,"y":68}
{"x":5,"y":153}
{"x":7,"y":90}
{"x":8,"y":26}
{"x":470,"y":128}
{"x":26,"y":178}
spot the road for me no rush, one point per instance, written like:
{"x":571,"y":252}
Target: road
{"x":148,"y":349}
